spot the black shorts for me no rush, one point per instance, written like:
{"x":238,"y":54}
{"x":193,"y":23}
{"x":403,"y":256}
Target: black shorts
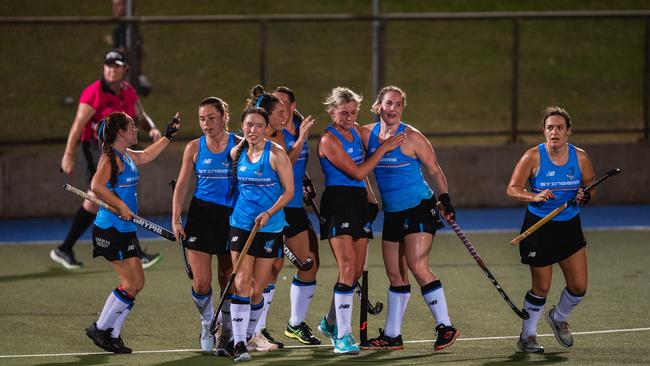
{"x":115,"y":245}
{"x":422,"y":218}
{"x":297,"y":221}
{"x":92,"y":152}
{"x":345,"y":211}
{"x":264,"y":245}
{"x":207,"y":227}
{"x":552,"y":243}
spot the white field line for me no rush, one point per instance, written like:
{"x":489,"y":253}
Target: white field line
{"x":323,"y":345}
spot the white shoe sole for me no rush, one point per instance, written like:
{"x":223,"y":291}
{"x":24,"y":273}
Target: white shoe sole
{"x":151,"y":263}
{"x":61,"y":261}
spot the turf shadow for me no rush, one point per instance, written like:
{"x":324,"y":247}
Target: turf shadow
{"x":520,"y":358}
{"x":50,"y":273}
{"x":101,"y":359}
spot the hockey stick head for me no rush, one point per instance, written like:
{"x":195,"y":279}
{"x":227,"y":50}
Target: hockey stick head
{"x":307,"y":265}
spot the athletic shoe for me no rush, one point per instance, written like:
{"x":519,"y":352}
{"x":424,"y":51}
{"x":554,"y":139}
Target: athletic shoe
{"x":225,"y":348}
{"x":268,"y":337}
{"x":119,"y":347}
{"x":302,"y":332}
{"x":529,"y":345}
{"x":384,"y":342}
{"x":150,"y":260}
{"x":101,"y":338}
{"x":327,"y":330}
{"x":206,"y":339}
{"x":560,"y":329}
{"x":65,"y":258}
{"x":446,"y":336}
{"x":259,"y":343}
{"x":346,"y":345}
{"x":241,"y":353}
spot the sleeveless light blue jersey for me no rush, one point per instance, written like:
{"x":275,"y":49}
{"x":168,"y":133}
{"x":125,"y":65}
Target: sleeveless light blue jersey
{"x":259,"y":188}
{"x":214,"y":173}
{"x":333,"y":175}
{"x":126,"y":189}
{"x":564,"y":181}
{"x":299,"y":166}
{"x":399,"y":177}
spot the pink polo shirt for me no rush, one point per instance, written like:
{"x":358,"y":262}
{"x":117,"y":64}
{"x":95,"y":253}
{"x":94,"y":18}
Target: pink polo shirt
{"x":99,"y":96}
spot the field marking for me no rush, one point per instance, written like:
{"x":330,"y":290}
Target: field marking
{"x":322,"y":345}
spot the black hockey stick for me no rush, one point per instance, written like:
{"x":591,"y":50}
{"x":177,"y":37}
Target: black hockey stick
{"x":561,"y":208}
{"x":240,"y":260}
{"x":303,"y":266}
{"x":522,"y":313}
{"x":182,"y":246}
{"x":308,"y":198}
{"x":155,"y":228}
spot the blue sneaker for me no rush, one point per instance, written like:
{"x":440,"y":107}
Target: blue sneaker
{"x":346,"y":345}
{"x":328,"y":330}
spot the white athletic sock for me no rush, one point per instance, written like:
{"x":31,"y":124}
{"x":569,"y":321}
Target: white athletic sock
{"x":269,"y":291}
{"x":434,"y":296}
{"x":116,"y":303}
{"x":204,"y":304}
{"x":240,"y":312}
{"x":256,"y":313}
{"x":568,"y":302}
{"x":535,"y":307}
{"x":119,"y":322}
{"x":226,"y":322}
{"x":343,"y":302}
{"x":398,"y":298}
{"x":301,"y":294}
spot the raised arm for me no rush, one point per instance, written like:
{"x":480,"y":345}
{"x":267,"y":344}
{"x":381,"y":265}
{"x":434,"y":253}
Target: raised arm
{"x":143,"y":119}
{"x":303,"y":134}
{"x":152,"y":151}
{"x":185,"y":176}
{"x":84,"y":113}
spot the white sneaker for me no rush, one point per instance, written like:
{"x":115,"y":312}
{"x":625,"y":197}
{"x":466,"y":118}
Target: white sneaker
{"x":206,"y":339}
{"x":259,"y":343}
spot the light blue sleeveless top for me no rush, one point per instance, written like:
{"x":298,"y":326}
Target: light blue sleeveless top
{"x":299,"y":167}
{"x":333,"y":175}
{"x":127,"y":189}
{"x":214,"y":174}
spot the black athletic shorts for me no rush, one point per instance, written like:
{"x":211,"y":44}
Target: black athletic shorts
{"x":297,"y":221}
{"x":207,"y":227}
{"x":92,"y":152}
{"x":115,"y":245}
{"x":552,"y":243}
{"x":264,"y":245}
{"x":422,"y":218}
{"x":345,"y":211}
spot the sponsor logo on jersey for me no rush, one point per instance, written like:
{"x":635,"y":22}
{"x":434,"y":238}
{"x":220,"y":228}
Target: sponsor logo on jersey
{"x":550,"y":173}
{"x":268,"y":246}
{"x":207,"y":161}
{"x":102,"y":242}
{"x":350,"y":150}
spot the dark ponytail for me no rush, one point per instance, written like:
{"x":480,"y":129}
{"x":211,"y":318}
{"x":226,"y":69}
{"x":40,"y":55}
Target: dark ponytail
{"x":107,"y":133}
{"x":261,"y":99}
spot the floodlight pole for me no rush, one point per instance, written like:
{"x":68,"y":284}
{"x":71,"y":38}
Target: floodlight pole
{"x":377,"y":50}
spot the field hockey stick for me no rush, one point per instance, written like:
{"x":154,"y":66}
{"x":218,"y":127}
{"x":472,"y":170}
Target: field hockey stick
{"x":135,"y":219}
{"x":240,"y":260}
{"x":302,"y":266}
{"x":561,"y":208}
{"x":523,"y":314}
{"x":309,"y":200}
{"x":182,"y":246}
{"x":363,"y":311}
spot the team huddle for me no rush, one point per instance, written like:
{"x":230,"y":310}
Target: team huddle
{"x":248,"y":197}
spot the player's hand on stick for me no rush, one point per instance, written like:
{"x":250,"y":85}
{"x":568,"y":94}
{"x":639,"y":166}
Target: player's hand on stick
{"x":544,"y":196}
{"x":582,"y":197}
{"x":263,"y":218}
{"x":124,"y":212}
{"x":173,"y":126}
{"x":67,"y":164}
{"x":177,"y":228}
{"x":448,"y":211}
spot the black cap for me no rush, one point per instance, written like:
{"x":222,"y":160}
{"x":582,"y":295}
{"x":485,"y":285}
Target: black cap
{"x":114,"y":57}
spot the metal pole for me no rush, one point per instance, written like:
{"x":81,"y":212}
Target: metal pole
{"x":263,"y":44}
{"x":375,"y":48}
{"x":515,"y":80}
{"x":646,"y":81}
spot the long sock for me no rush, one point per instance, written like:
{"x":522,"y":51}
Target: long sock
{"x":118,"y":301}
{"x":119,"y":322}
{"x":269,"y":291}
{"x":256,"y":312}
{"x":204,"y":304}
{"x":398,"y":298}
{"x":80,"y":222}
{"x":568,"y":302}
{"x":535,"y":307}
{"x":301,"y":294}
{"x":343,"y":302}
{"x":434,"y":296}
{"x":240,"y":312}
{"x":226,"y":322}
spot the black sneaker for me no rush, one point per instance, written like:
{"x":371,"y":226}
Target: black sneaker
{"x":101,"y":338}
{"x":241,"y":353}
{"x":302,"y":332}
{"x":268,"y":337}
{"x":119,"y":347}
{"x":65,"y":258}
{"x":384,"y":342}
{"x":225,"y":348}
{"x":446,"y":336}
{"x":150,"y":260}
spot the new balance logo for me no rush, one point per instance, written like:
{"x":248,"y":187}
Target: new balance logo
{"x":238,"y":320}
{"x":235,"y":238}
{"x":533,"y":309}
{"x":550,"y":173}
{"x":207,"y":161}
{"x":345,"y":225}
{"x":130,"y":247}
{"x":433,"y":302}
{"x":532,"y":254}
{"x":192,"y":239}
{"x":344,"y":306}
